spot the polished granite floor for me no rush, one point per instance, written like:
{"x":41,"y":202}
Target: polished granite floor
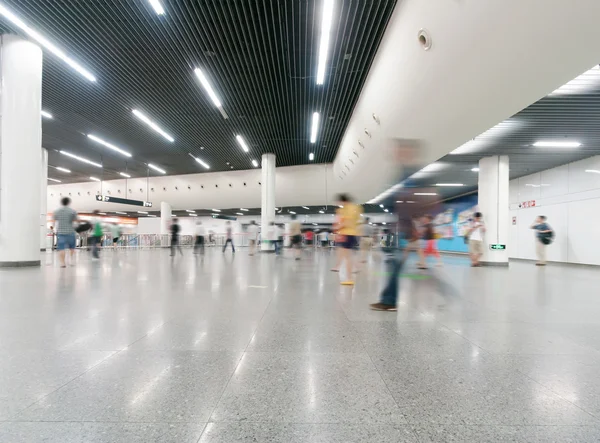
{"x":137,"y":348}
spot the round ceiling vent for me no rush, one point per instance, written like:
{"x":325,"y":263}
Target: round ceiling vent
{"x":425,"y":39}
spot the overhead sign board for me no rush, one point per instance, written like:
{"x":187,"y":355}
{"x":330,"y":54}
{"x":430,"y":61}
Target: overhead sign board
{"x":123,"y":201}
{"x":498,"y":247}
{"x":224,"y":217}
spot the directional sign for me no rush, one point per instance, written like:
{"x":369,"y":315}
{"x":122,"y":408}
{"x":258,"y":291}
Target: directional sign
{"x":498,"y":247}
{"x":224,"y":217}
{"x":123,"y":201}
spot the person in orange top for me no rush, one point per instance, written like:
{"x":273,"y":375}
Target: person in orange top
{"x":347,"y":234}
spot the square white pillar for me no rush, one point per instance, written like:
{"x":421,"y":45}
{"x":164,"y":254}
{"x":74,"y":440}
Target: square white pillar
{"x":493,"y":204}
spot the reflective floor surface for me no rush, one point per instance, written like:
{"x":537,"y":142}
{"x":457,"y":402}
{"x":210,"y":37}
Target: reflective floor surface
{"x":140,"y":348}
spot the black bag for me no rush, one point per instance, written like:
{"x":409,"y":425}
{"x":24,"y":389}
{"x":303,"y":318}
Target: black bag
{"x":83,"y":227}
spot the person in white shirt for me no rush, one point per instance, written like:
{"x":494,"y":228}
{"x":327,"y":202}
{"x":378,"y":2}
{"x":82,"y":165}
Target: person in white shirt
{"x":252,"y":236}
{"x":323,"y":235}
{"x":199,"y":244}
{"x":476,"y":233}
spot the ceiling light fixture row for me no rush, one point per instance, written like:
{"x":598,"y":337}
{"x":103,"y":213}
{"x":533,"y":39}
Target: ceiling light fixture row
{"x":45,"y":43}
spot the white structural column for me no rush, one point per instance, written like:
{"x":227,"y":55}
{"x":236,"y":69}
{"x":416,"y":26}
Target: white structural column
{"x":267,"y":199}
{"x":165,"y":222}
{"x":20,"y":151}
{"x":43,"y":200}
{"x":493,"y":204}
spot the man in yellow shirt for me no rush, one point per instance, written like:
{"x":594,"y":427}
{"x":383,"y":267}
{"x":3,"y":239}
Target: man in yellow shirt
{"x":347,"y":234}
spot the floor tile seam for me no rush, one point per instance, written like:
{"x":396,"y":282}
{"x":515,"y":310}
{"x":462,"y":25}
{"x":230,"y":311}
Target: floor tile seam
{"x":383,"y":381}
{"x":483,"y":350}
{"x":68,"y":382}
{"x":107,"y":421}
{"x":549,"y":389}
{"x":239,"y":361}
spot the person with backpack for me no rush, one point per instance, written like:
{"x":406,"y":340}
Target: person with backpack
{"x":543,"y":238}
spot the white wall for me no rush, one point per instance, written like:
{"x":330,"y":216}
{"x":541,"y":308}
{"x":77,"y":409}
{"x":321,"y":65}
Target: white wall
{"x":570,"y":198}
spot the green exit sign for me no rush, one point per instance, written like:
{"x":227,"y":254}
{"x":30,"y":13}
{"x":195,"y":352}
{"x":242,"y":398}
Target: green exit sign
{"x":500,"y":247}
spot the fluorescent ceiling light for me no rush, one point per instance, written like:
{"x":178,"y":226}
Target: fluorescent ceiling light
{"x":124,"y":175}
{"x":189,"y":210}
{"x":409,"y":201}
{"x":54,"y":180}
{"x":244,"y":209}
{"x":95,"y":179}
{"x":449,"y":184}
{"x":327,"y":18}
{"x":486,"y":138}
{"x":63,"y":169}
{"x":399,"y":201}
{"x":314,"y":129}
{"x":216,"y":210}
{"x":556,"y":144}
{"x":156,"y":168}
{"x":255,"y":163}
{"x":158,"y":8}
{"x":199,"y":161}
{"x":386,"y":210}
{"x":475,"y":169}
{"x":292,"y":212}
{"x":580,"y":84}
{"x":153,"y":125}
{"x":192,"y":215}
{"x":202,"y":163}
{"x":381,"y":206}
{"x":242,"y":143}
{"x":151,"y":215}
{"x":102,"y":213}
{"x":45,"y":43}
{"x":593,"y":171}
{"x":46,"y":114}
{"x":321,"y":212}
{"x":207,"y":87}
{"x":109,"y":145}
{"x":305,"y":207}
{"x":122,"y":213}
{"x":315,"y":224}
{"x":142,"y":212}
{"x":311,"y":156}
{"x":425,"y":193}
{"x":81,"y":159}
{"x":239,"y":213}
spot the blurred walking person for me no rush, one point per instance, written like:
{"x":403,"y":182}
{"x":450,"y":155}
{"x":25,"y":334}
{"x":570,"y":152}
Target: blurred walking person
{"x":543,"y":238}
{"x":199,"y":242}
{"x":228,"y":237}
{"x":175,"y":230}
{"x":366,"y":239}
{"x":96,"y":237}
{"x":115,"y":231}
{"x":296,"y":236}
{"x":348,"y":219}
{"x":64,"y":217}
{"x":430,"y":240}
{"x":476,"y":234}
{"x":252,"y":237}
{"x":413,"y":242}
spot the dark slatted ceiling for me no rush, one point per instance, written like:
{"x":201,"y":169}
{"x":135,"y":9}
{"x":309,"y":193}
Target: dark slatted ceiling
{"x":260,"y":56}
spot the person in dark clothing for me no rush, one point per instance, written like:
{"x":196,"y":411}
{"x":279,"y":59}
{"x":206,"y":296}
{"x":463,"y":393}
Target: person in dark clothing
{"x":175,"y":229}
{"x":228,"y":237}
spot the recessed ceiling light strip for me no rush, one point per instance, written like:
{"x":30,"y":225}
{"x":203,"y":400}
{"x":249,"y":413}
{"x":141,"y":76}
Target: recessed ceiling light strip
{"x":9,"y":15}
{"x":153,"y":125}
